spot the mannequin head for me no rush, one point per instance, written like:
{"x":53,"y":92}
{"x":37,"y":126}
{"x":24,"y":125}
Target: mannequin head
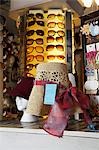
{"x":21,"y":103}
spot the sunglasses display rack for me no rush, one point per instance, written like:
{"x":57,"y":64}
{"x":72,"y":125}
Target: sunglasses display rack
{"x":55,"y":42}
{"x":35,"y":32}
{"x":45,"y":38}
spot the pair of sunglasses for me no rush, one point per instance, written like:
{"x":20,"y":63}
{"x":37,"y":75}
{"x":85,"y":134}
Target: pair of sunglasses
{"x":31,"y":23}
{"x":53,"y":24}
{"x":37,"y":15}
{"x":38,"y":32}
{"x":51,"y":39}
{"x":59,"y":32}
{"x":51,"y":47}
{"x":52,"y":57}
{"x":30,"y":58}
{"x":38,"y":49}
{"x":29,"y":67}
{"x":39,"y":41}
{"x":59,"y":16}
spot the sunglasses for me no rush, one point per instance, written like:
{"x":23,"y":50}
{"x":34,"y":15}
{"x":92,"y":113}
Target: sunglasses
{"x":52,"y":57}
{"x":31,"y":23}
{"x":59,"y":16}
{"x":38,"y":49}
{"x":51,"y":39}
{"x":29,"y":67}
{"x":39,"y":41}
{"x":37,"y":15}
{"x":38,"y":32}
{"x":51,"y":47}
{"x":52,"y":33}
{"x":53,"y":24}
{"x":30,"y":58}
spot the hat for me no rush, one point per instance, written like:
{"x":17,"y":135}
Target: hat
{"x":23,"y":87}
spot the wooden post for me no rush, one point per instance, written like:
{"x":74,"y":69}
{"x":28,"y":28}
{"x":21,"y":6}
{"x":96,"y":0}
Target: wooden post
{"x":1,"y":76}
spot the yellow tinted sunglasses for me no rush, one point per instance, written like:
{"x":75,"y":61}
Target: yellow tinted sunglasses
{"x":59,"y":16}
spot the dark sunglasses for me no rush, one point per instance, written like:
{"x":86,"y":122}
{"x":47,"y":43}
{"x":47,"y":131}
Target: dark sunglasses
{"x":38,"y":49}
{"x":37,"y":15}
{"x":29,"y":67}
{"x":53,"y":24}
{"x":38,"y":32}
{"x":51,"y":39}
{"x":59,"y":16}
{"x":31,"y":23}
{"x":51,"y":47}
{"x":39,"y":41}
{"x":59,"y":32}
{"x":30,"y":58}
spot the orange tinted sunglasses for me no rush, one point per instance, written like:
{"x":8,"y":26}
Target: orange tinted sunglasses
{"x":51,"y":47}
{"x":30,"y":58}
{"x":51,"y":39}
{"x":38,"y":49}
{"x":53,"y":24}
{"x":52,"y":57}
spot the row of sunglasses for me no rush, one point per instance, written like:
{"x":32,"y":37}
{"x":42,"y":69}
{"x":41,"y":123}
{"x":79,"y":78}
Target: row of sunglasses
{"x":41,"y":32}
{"x":40,"y":41}
{"x":49,"y":17}
{"x":40,"y":58}
{"x":60,"y":25}
{"x":40,"y":49}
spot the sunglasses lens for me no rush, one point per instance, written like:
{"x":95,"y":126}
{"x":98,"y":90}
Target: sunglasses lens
{"x":51,"y":33}
{"x":59,"y":39}
{"x":39,"y":58}
{"x":60,"y":17}
{"x":61,"y":33}
{"x":51,"y":24}
{"x":30,"y":58}
{"x":60,"y":57}
{"x":50,"y":39}
{"x":39,"y":41}
{"x":29,"y":42}
{"x":29,"y":67}
{"x":60,"y":47}
{"x":51,"y":16}
{"x":61,"y":25}
{"x":31,"y":23}
{"x":29,"y":50}
{"x":41,"y":23}
{"x":50,"y":47}
{"x":30,"y":16}
{"x":39,"y":16}
{"x":40,"y":32}
{"x":39,"y":49}
{"x":51,"y":57}
{"x":29,"y":33}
